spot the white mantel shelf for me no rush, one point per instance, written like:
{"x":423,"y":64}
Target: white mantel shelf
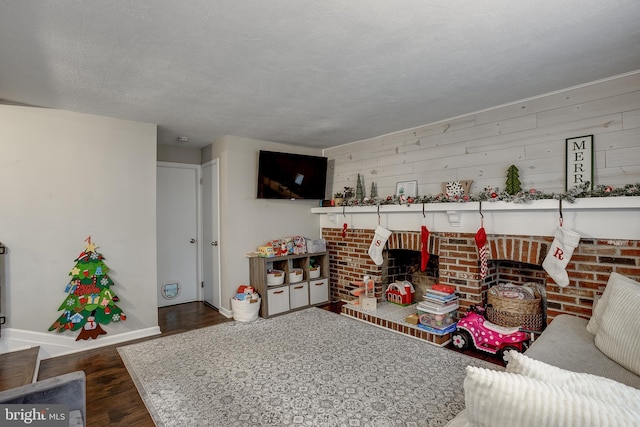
{"x":595,"y":217}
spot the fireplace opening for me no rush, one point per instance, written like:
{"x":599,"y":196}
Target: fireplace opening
{"x":404,"y":264}
{"x":505,"y":272}
{"x":518,"y":273}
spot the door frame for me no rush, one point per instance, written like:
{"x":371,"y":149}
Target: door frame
{"x":218,"y":274}
{"x":198,"y":170}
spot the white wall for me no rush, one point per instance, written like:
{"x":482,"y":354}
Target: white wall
{"x":248,"y":222}
{"x":529,"y":134}
{"x":175,"y":154}
{"x":65,"y":176}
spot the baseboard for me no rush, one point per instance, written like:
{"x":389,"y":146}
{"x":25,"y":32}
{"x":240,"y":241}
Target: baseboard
{"x":54,"y":345}
{"x":226,"y":312}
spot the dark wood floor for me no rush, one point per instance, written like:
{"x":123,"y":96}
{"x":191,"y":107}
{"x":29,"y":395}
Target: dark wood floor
{"x":112,"y":398}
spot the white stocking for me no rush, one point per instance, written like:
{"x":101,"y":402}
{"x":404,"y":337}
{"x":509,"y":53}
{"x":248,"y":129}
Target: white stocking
{"x":377,"y":245}
{"x":560,"y":252}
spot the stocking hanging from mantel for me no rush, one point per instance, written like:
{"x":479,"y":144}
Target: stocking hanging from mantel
{"x":560,"y":252}
{"x":424,"y":250}
{"x":377,"y":244}
{"x":483,"y":252}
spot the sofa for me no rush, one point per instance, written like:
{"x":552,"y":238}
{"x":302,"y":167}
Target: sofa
{"x":67,"y":389}
{"x":577,"y":372}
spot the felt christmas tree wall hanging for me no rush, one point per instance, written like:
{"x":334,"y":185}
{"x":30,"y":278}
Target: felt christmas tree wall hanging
{"x":90,"y":301}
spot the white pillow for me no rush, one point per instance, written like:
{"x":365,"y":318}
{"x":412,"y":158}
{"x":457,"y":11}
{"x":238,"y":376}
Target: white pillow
{"x":619,"y":334}
{"x":601,"y":388}
{"x":596,"y":317}
{"x":495,"y":398}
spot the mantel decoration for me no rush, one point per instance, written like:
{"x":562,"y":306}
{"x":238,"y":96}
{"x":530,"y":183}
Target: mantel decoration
{"x":406,"y":189}
{"x":579,"y":157}
{"x":490,"y":194}
{"x":89,"y":302}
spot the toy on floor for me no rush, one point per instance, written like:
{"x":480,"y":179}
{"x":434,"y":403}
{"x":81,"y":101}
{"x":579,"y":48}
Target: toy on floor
{"x":246,"y":293}
{"x":474,"y":331}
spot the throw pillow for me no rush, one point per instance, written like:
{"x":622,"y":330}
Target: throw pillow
{"x":495,"y":398}
{"x":619,"y":333}
{"x":596,"y":318}
{"x":601,"y":388}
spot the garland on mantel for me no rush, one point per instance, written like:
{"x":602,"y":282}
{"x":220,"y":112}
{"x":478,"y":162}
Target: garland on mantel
{"x":495,"y":194}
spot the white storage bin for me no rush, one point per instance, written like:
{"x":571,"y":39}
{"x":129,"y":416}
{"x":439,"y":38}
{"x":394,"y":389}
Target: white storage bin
{"x":316,"y":245}
{"x":245,"y":311}
{"x":314,"y":273}
{"x":278,"y":300}
{"x":319,"y":291}
{"x":299,"y":295}
{"x":275,"y":277}
{"x":295,"y":275}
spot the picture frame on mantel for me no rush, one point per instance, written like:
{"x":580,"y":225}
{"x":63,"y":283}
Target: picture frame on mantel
{"x":407,"y":189}
{"x":579,"y":161}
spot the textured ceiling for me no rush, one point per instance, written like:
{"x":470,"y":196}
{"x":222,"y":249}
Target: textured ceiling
{"x":318,"y":73}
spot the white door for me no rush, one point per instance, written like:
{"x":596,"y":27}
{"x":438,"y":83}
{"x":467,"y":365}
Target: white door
{"x":210,"y":233}
{"x":177,"y":233}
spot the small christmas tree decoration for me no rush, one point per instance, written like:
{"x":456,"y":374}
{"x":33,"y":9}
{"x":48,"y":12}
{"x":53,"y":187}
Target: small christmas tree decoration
{"x":374,"y":191}
{"x":89,"y":302}
{"x":359,"y":188}
{"x":513,"y":186}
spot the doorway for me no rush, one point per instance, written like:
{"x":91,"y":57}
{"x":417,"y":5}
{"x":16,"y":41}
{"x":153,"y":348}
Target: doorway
{"x":210,"y":233}
{"x":177,"y":233}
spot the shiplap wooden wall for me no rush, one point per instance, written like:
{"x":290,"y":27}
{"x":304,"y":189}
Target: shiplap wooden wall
{"x":530,"y":134}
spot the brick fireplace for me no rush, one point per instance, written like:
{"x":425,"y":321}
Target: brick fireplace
{"x":589,"y":268}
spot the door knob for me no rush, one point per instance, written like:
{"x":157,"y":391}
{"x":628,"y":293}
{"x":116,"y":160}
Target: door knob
{"x":192,"y":240}
{"x":214,"y":243}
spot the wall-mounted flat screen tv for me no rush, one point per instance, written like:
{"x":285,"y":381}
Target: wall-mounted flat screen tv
{"x":291,"y":176}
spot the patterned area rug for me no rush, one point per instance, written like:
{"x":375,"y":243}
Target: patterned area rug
{"x":307,"y":368}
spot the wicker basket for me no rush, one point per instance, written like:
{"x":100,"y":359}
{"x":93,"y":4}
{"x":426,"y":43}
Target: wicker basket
{"x":510,"y":312}
{"x":531,"y":322}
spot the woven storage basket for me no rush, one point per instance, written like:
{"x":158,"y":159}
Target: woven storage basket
{"x":531,"y":322}
{"x":510,"y":312}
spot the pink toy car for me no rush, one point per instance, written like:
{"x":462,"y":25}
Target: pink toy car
{"x":473,"y":330}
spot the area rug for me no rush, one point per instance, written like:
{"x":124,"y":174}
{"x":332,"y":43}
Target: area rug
{"x":306,"y":368}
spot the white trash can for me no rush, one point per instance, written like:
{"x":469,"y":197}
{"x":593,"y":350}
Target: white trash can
{"x":245,"y":311}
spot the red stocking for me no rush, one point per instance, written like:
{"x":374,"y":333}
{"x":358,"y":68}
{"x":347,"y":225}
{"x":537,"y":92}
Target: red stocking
{"x":481,"y":243}
{"x":424,"y":238}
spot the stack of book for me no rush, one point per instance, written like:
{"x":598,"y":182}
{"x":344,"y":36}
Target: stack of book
{"x":438,"y":301}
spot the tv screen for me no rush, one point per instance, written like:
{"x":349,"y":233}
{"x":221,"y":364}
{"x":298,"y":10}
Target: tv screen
{"x":291,"y":176}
